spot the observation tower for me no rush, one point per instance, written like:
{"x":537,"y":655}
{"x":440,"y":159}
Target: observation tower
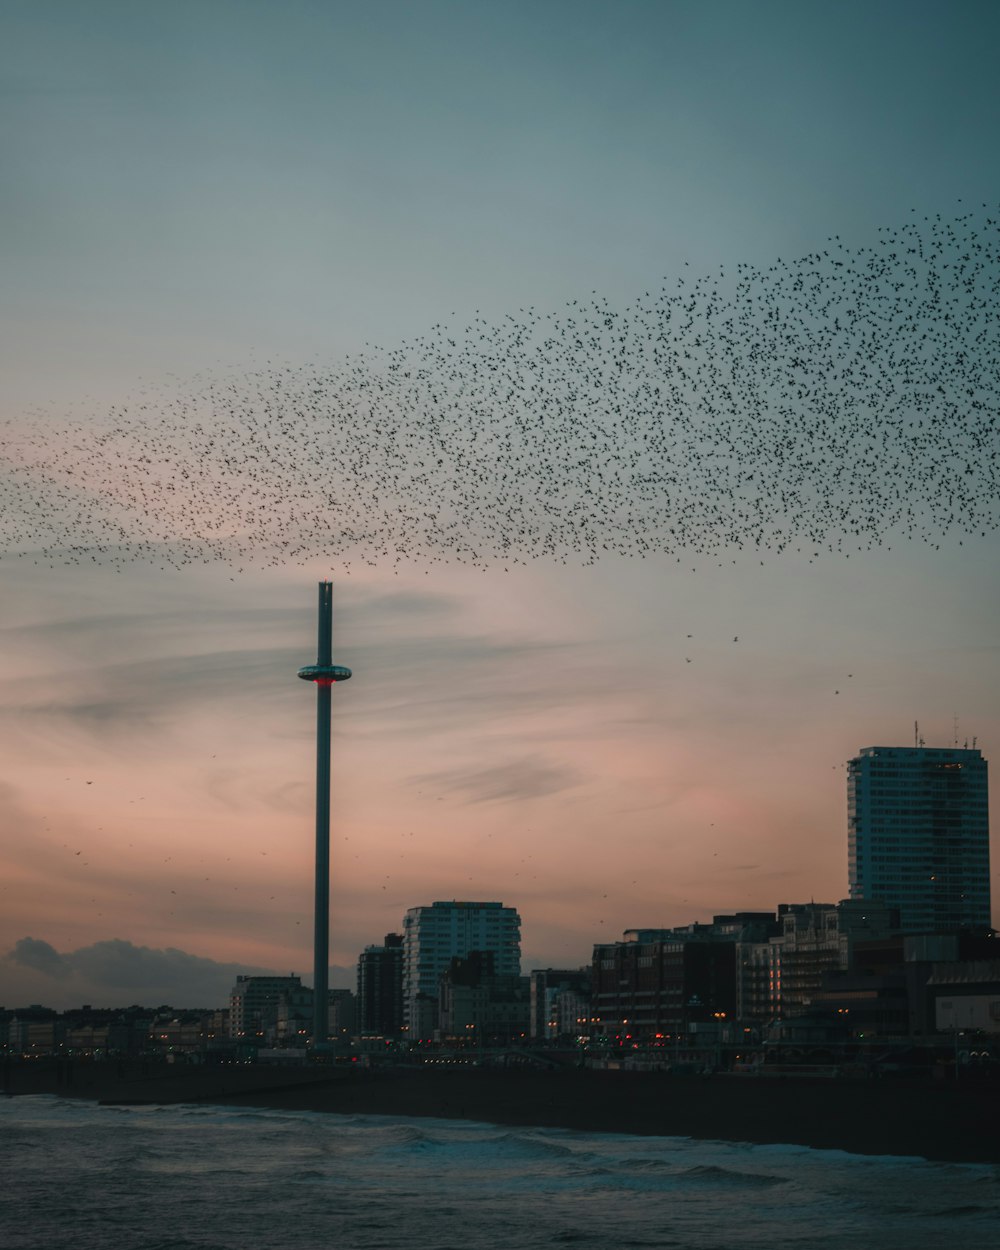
{"x":323,"y":674}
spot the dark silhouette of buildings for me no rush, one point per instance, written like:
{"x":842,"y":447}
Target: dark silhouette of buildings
{"x":380,"y":988}
{"x":659,"y":981}
{"x":479,"y":1006}
{"x":560,"y":1002}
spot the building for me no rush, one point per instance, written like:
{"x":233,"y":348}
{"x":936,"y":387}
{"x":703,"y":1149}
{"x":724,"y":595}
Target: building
{"x":659,"y":982}
{"x":560,"y":999}
{"x":817,"y":940}
{"x":433,"y":936}
{"x":380,"y":988}
{"x":178,"y":1033}
{"x":889,"y":987}
{"x":751,"y":933}
{"x":98,"y":1031}
{"x":280,"y":1010}
{"x":342,"y":1013}
{"x":746,"y":969}
{"x":35,"y":1030}
{"x":477,"y":1006}
{"x":253,"y":1004}
{"x":293,"y":1017}
{"x":940,"y":959}
{"x":966,"y":996}
{"x":918,"y":835}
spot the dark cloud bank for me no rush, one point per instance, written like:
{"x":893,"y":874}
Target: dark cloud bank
{"x":116,"y":973}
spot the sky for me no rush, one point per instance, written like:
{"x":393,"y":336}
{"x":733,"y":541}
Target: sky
{"x":199,"y":190}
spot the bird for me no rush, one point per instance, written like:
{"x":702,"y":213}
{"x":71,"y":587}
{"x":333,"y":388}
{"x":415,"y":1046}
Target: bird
{"x":823,"y":405}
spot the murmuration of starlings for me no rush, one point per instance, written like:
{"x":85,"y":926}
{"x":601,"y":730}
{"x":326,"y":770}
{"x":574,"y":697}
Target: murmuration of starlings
{"x":825,"y":404}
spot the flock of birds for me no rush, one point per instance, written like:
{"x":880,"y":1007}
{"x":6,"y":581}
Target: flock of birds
{"x":829,"y":403}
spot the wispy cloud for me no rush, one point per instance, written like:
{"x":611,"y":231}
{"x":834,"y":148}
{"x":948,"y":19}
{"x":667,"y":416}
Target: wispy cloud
{"x":512,"y":781}
{"x":417,"y":662}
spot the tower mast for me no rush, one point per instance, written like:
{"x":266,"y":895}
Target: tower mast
{"x":323,"y":674}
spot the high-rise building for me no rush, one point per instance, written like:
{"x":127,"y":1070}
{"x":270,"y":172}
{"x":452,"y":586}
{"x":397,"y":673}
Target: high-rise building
{"x":433,"y":936}
{"x":380,"y":987}
{"x":918,"y":835}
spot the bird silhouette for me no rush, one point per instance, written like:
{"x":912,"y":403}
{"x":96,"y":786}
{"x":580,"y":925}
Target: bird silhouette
{"x":819,"y":406}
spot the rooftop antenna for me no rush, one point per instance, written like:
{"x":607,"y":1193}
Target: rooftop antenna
{"x":916,"y":734}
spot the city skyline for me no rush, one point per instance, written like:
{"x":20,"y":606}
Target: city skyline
{"x":476,"y":932}
{"x":638,"y":743}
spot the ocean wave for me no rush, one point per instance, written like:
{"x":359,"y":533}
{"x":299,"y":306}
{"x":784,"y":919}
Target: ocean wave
{"x":845,"y":1156}
{"x":531,"y":1146}
{"x":970,"y":1208}
{"x":182,"y":1243}
{"x":714,"y":1175}
{"x":225,"y":1179}
{"x":398,"y":1136}
{"x":649,"y":1164}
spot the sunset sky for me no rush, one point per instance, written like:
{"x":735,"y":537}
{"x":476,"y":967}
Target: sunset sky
{"x":205,"y":185}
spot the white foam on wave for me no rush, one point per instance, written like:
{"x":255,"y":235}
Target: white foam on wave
{"x":231,"y":1176}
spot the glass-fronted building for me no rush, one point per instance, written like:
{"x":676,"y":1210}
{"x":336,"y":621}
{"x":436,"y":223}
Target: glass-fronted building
{"x":919,"y":835}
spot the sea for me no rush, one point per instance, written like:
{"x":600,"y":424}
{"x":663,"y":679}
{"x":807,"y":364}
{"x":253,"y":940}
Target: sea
{"x":90,"y":1177}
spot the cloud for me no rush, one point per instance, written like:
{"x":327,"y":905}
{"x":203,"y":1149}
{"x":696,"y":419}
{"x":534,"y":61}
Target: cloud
{"x":140,"y":693}
{"x":127,"y":680}
{"x":39,"y":957}
{"x":365,"y":609}
{"x":128,"y":675}
{"x":513,"y":781}
{"x":117,"y":973}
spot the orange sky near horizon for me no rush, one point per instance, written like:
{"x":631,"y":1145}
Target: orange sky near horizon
{"x":200,"y":193}
{"x":594,"y":767}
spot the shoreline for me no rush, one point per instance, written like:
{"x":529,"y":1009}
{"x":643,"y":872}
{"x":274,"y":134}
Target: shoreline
{"x":935,"y":1120}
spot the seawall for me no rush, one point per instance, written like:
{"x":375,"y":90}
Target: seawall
{"x":940,"y":1120}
